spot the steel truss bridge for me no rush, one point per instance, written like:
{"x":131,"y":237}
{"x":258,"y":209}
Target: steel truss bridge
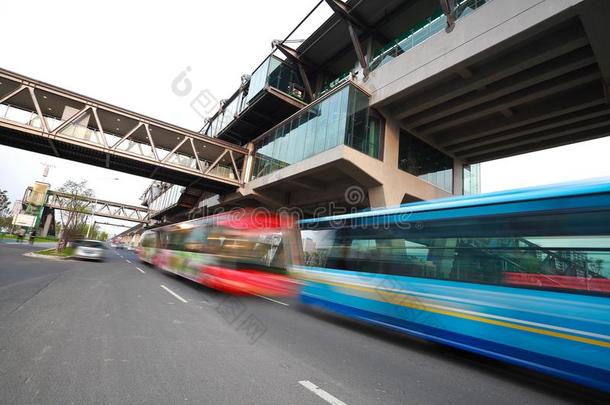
{"x":47,"y":119}
{"x":94,"y":206}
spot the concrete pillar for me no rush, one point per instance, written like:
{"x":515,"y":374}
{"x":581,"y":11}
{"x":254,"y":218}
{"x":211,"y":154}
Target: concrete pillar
{"x":248,"y":166}
{"x":391,"y":142}
{"x":458,"y":177}
{"x":385,"y":196}
{"x":47,"y":225}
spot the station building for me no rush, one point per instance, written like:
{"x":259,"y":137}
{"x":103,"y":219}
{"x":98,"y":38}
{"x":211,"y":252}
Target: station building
{"x":401,"y":100}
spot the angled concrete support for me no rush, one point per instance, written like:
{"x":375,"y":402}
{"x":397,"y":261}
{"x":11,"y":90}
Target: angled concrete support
{"x":387,"y":195}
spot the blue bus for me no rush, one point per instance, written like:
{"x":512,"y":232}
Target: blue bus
{"x":521,"y":276}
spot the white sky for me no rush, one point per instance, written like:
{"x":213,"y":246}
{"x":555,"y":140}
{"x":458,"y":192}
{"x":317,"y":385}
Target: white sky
{"x":126,"y":54}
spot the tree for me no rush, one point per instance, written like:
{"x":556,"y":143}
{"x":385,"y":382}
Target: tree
{"x":5,"y":217}
{"x":4,"y":203}
{"x":76,"y":211}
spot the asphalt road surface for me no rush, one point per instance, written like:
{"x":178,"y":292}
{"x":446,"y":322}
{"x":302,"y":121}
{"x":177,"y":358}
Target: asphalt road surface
{"x":120,"y":332}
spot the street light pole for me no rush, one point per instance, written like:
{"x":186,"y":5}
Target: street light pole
{"x":92,"y":217}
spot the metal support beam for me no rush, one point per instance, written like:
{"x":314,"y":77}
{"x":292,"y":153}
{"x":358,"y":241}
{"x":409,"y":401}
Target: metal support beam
{"x":353,"y":22}
{"x":448,"y":7}
{"x":342,"y":11}
{"x":359,"y":51}
{"x":297,"y":60}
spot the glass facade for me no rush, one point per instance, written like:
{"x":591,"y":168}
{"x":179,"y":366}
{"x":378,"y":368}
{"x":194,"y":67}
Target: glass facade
{"x":228,"y":114}
{"x":166,"y":199}
{"x":472,"y":179}
{"x":422,"y":160}
{"x":277,"y":74}
{"x":273,"y":73}
{"x":342,"y":118}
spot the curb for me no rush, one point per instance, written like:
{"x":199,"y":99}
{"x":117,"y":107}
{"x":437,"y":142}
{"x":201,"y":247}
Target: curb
{"x":37,"y":256}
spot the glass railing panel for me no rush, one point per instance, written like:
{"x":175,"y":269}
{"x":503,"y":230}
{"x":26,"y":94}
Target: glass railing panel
{"x":137,"y":148}
{"x":472,"y":179}
{"x":335,"y":82}
{"x":258,"y":80}
{"x":19,"y":115}
{"x":182,"y":160}
{"x":223,"y":171}
{"x":53,"y":123}
{"x":82,"y":133}
{"x":422,"y":31}
{"x":286,"y":79}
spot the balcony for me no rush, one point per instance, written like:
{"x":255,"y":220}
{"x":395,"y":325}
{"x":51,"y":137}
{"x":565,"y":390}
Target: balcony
{"x":275,"y":91}
{"x":342,"y":117}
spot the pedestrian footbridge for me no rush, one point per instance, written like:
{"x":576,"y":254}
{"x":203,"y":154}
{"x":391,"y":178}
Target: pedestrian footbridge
{"x":47,"y":119}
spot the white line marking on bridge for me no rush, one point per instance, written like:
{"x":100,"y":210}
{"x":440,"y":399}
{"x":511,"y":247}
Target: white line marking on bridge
{"x":174,"y":294}
{"x":128,"y":261}
{"x":140,"y":270}
{"x":272,"y":300}
{"x":321,"y":393}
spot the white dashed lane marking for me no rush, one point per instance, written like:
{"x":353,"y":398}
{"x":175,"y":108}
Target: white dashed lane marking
{"x":321,"y":393}
{"x":173,"y":293}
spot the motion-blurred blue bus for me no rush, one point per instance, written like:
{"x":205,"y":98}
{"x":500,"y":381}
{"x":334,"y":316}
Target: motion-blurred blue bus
{"x":521,"y":276}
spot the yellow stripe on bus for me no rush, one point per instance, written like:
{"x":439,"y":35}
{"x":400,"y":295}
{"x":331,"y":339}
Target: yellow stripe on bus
{"x":453,"y":313}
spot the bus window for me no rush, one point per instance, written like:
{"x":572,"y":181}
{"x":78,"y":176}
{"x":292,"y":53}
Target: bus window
{"x":559,"y":251}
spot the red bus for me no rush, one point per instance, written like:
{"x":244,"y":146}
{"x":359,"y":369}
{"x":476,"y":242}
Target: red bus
{"x":239,"y":252}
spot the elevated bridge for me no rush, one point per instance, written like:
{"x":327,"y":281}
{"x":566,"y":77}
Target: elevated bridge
{"x":46,"y":119}
{"x":94,"y":206}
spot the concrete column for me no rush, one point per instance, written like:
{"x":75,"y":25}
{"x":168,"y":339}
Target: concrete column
{"x":458,"y":177}
{"x":388,"y":195}
{"x":47,"y":225}
{"x":246,"y":171}
{"x":391,"y":142}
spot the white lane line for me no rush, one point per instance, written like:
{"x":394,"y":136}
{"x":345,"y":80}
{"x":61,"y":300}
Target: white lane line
{"x":272,"y":300}
{"x":173,"y":293}
{"x":128,"y":261}
{"x":140,"y":270}
{"x":321,"y":393}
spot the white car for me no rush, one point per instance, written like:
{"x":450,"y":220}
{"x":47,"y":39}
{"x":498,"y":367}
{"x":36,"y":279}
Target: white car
{"x":89,"y":249}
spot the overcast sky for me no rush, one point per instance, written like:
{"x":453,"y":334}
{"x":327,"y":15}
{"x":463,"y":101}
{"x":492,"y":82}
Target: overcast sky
{"x":128,"y":55}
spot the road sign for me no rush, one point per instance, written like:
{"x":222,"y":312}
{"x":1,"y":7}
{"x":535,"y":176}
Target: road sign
{"x":24,"y":220}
